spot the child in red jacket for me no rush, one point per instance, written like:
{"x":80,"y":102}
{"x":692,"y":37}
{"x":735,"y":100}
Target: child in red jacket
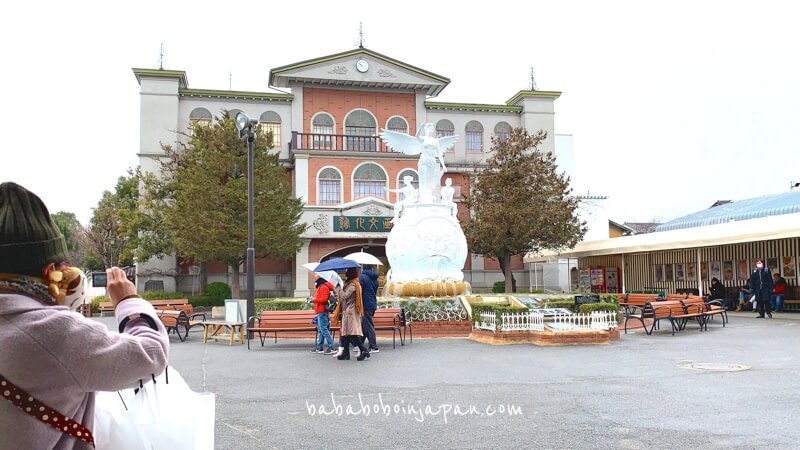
{"x":324,"y":289}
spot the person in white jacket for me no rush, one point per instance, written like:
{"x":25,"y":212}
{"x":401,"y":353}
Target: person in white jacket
{"x":53,"y":359}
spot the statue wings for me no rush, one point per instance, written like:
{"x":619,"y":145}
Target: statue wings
{"x":447,"y":142}
{"x":411,"y":145}
{"x":402,"y":142}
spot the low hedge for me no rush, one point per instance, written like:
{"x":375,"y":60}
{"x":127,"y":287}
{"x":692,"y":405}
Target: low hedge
{"x":609,"y":298}
{"x":478,"y":309}
{"x":267,"y":304}
{"x":162,"y":295}
{"x":601,"y":306}
{"x":206,"y":301}
{"x":218,"y":289}
{"x":499,"y":287}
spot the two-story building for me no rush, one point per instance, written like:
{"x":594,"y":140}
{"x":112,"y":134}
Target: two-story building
{"x":326,"y":133}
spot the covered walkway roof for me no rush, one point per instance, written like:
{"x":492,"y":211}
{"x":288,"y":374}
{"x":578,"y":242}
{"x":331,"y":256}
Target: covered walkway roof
{"x":751,"y":208}
{"x":761,"y":229}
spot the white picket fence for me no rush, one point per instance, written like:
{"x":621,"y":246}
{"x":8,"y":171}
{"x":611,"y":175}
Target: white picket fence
{"x":525,"y":321}
{"x":488,"y":321}
{"x":595,"y":320}
{"x":534,"y":321}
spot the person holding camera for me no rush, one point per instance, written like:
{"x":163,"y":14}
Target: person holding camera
{"x":54,"y":359}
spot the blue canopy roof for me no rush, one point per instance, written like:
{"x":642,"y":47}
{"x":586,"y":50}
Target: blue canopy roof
{"x":751,"y":208}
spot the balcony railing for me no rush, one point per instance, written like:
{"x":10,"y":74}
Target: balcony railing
{"x":338,"y":142}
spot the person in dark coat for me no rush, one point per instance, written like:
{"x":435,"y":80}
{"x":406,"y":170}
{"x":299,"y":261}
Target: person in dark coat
{"x":369,"y":292}
{"x":718,"y":292}
{"x":761,"y":286}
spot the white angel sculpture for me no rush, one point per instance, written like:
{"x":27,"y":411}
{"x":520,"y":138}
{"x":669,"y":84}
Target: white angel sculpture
{"x":431,"y":150}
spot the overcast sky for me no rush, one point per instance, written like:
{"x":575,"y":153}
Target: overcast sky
{"x":672,"y":104}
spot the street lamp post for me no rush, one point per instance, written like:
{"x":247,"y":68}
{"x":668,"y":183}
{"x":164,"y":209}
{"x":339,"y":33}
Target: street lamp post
{"x":247,"y":133}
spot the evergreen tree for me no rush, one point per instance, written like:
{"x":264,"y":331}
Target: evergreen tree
{"x":198,"y":203}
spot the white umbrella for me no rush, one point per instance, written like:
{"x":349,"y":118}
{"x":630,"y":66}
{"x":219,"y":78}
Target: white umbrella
{"x":331,"y":276}
{"x":311,"y":266}
{"x":364,"y":258}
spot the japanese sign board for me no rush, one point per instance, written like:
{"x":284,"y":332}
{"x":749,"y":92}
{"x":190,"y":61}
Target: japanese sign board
{"x":351,"y":224}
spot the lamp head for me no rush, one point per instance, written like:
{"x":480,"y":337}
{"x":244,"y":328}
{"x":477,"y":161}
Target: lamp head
{"x":241,"y":120}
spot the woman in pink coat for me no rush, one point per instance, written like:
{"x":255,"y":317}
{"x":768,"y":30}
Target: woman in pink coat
{"x":53,"y":359}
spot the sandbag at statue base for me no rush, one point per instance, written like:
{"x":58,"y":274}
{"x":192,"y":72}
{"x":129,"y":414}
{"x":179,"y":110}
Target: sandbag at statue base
{"x":424,"y":289}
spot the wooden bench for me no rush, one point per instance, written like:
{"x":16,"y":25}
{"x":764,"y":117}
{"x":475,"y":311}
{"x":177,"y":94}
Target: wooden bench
{"x":173,"y":320}
{"x":676,"y":312}
{"x":791,"y":305}
{"x":390,"y":319}
{"x":710,"y":308}
{"x":631,"y":302}
{"x":676,"y":297}
{"x":283,"y":321}
{"x":406,"y":322}
{"x":187,"y":308}
{"x":106,"y":307}
{"x":174,"y":304}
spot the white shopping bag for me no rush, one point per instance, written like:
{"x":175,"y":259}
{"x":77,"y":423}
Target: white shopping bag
{"x":161,"y":415}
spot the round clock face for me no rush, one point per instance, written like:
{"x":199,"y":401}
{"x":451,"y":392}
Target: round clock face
{"x":362,"y":65}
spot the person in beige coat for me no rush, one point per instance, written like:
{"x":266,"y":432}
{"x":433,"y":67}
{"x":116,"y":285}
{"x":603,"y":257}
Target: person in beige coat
{"x":351,"y":306}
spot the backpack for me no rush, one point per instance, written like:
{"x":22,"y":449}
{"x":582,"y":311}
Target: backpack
{"x":331,"y":304}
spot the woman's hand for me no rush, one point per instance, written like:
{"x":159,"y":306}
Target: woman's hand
{"x":118,"y":287}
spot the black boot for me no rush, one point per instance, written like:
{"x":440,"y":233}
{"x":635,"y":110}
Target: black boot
{"x":345,"y":354}
{"x":364,"y":353}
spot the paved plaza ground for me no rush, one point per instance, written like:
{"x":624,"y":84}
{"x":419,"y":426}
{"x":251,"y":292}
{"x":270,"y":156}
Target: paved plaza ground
{"x":632,"y":394}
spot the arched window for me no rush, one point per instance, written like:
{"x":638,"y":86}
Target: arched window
{"x":330,"y":186}
{"x":398,"y":124}
{"x":446,"y":128}
{"x":359,"y":128}
{"x":502,"y":131}
{"x":369,"y":179}
{"x":322,"y":129}
{"x":400,"y":183}
{"x":474,"y":136}
{"x":232,"y":113}
{"x":200,"y":116}
{"x":270,"y":121}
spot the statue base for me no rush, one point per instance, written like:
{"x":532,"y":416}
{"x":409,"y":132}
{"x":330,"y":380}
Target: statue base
{"x":426,"y":289}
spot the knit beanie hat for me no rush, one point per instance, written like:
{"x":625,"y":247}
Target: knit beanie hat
{"x":29,"y":239}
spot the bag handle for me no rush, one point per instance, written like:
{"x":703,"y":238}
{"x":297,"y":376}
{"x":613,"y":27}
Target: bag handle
{"x":29,"y":405}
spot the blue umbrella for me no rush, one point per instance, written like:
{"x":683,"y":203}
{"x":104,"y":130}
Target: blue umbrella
{"x":337,"y":264}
